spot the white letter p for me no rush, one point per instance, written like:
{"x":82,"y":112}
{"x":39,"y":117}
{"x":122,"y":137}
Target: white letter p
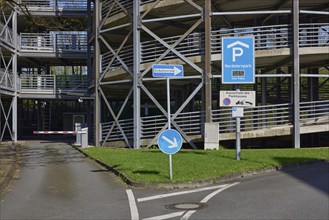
{"x":237,"y":52}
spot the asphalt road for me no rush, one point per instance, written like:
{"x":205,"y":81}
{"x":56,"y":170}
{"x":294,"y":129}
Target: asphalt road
{"x":57,"y":182}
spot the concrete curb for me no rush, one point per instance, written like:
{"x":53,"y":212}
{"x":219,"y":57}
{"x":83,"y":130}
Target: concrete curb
{"x":200,"y":183}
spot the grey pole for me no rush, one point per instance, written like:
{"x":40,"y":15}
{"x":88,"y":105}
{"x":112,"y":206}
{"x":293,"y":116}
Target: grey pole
{"x":169,"y":123}
{"x":238,"y":134}
{"x":136,"y":73}
{"x":14,"y":111}
{"x":207,"y":74}
{"x":97,"y":74}
{"x":296,"y":78}
{"x":238,"y":138}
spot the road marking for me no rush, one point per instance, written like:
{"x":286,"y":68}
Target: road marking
{"x":188,"y":214}
{"x":160,"y":217}
{"x":180,"y":193}
{"x":132,"y":205}
{"x":208,"y":197}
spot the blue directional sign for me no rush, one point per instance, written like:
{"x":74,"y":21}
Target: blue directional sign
{"x":238,"y":60}
{"x":165,"y":70}
{"x":170,"y":141}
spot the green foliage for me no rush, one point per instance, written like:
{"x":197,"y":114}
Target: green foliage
{"x":192,"y":165}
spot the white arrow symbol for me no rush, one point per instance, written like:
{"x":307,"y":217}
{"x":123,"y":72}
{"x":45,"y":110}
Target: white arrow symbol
{"x":174,"y":143}
{"x":176,"y":71}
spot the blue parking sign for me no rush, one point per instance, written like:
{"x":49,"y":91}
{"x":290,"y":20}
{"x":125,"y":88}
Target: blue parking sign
{"x":238,"y":60}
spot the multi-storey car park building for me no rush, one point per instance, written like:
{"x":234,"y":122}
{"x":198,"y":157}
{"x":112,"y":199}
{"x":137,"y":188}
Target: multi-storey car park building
{"x":43,"y":71}
{"x":130,"y":108}
{"x":291,"y":52}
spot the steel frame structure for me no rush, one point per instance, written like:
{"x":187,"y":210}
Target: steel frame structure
{"x":136,"y":26}
{"x":20,"y":51}
{"x":8,"y":81}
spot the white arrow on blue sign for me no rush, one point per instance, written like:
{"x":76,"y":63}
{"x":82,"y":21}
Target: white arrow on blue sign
{"x":238,"y":60}
{"x":166,"y":70}
{"x":170,"y":141}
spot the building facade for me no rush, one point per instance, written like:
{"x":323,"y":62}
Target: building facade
{"x":44,"y":66}
{"x":100,"y":73}
{"x":291,"y":58}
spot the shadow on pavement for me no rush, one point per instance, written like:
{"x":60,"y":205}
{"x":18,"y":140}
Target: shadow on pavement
{"x":309,"y":172}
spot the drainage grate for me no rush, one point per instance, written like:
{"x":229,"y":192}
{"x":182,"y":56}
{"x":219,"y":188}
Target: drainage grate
{"x":186,"y":206}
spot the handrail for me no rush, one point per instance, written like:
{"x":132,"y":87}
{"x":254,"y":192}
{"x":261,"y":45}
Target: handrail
{"x":127,"y":4}
{"x":266,"y":38}
{"x":37,"y":42}
{"x":54,"y":42}
{"x":44,"y":5}
{"x":37,"y":83}
{"x":260,"y":117}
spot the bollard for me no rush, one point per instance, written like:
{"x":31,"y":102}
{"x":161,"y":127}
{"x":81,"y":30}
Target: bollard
{"x":84,"y":139}
{"x":78,"y":135}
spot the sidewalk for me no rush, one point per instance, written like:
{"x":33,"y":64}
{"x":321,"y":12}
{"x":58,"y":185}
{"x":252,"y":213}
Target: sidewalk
{"x":8,"y":165}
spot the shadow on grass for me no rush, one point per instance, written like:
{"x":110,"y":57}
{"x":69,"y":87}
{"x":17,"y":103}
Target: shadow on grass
{"x":146,"y":172}
{"x":315,"y":174}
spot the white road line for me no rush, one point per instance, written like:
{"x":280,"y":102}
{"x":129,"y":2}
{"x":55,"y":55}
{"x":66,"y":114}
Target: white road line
{"x":188,"y":215}
{"x":208,"y":197}
{"x":132,"y":205}
{"x":160,"y":217}
{"x":180,"y":193}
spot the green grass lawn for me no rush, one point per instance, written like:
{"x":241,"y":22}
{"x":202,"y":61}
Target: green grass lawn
{"x":152,"y":166}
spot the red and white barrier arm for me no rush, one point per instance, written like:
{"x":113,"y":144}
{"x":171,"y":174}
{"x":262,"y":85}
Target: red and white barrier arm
{"x":57,"y":132}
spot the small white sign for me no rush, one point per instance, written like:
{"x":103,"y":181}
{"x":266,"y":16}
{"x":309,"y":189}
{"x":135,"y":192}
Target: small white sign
{"x":237,"y":99}
{"x":237,"y":112}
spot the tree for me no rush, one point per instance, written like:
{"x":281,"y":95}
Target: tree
{"x":50,"y":23}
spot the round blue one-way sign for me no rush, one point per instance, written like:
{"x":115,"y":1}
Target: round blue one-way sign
{"x":170,"y":141}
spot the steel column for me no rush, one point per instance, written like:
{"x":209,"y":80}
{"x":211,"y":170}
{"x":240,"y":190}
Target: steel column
{"x":296,"y":69}
{"x":136,"y":73}
{"x":97,"y":74}
{"x":207,"y":74}
{"x":14,"y":109}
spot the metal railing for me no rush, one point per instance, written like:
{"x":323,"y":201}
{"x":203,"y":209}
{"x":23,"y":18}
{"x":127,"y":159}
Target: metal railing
{"x":37,"y":42}
{"x":115,"y":8}
{"x":260,"y":117}
{"x":266,"y":38}
{"x":51,"y":5}
{"x":71,"y":42}
{"x":6,"y":80}
{"x":36,"y":83}
{"x":53,"y":42}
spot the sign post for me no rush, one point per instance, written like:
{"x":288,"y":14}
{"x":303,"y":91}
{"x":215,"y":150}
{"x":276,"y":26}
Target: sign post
{"x":238,"y":67}
{"x":169,"y":141}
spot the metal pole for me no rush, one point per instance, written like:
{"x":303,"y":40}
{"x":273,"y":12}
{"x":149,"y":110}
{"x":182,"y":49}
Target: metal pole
{"x":170,"y":166}
{"x":136,"y":73}
{"x":97,"y":73}
{"x":238,"y":138}
{"x":14,"y":111}
{"x":169,"y":123}
{"x":207,"y":74}
{"x":238,"y":135}
{"x":296,"y":78}
{"x":168,"y":103}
